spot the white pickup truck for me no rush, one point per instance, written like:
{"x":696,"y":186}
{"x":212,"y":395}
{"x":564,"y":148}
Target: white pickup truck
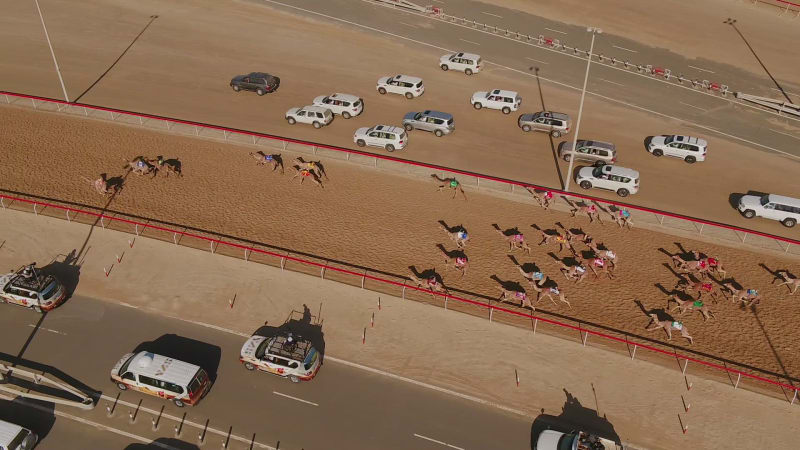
{"x":575,"y":440}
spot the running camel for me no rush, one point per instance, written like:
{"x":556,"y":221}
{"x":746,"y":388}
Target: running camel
{"x":622,"y":217}
{"x":574,"y":273}
{"x":169,"y":166}
{"x":505,"y":294}
{"x":690,"y":305}
{"x":431,"y":284}
{"x":141,"y":166}
{"x":305,"y":173}
{"x":460,"y":237}
{"x":450,"y":183}
{"x":314,"y":166}
{"x":591,"y":211}
{"x":606,"y":254}
{"x":668,"y":326}
{"x":103,"y":186}
{"x":515,"y":241}
{"x":263,"y":159}
{"x":543,"y":198}
{"x":460,"y":263}
{"x":791,"y":282}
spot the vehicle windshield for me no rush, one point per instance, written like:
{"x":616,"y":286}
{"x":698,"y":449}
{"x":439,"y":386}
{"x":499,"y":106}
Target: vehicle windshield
{"x":262,"y":348}
{"x":311,"y":358}
{"x":124,"y":367}
{"x":419,"y":85}
{"x":764,"y":200}
{"x":597,"y":172}
{"x":402,"y":135}
{"x":668,"y":139}
{"x":198,"y":381}
{"x":50,"y":290}
{"x":565,"y":443}
{"x":357,"y":103}
{"x":417,"y":116}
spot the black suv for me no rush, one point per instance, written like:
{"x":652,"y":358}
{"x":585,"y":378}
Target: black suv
{"x":259,"y":82}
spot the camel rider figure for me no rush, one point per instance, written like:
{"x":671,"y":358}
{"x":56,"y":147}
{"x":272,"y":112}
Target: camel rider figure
{"x":454,"y":183}
{"x":461,"y":261}
{"x":462,"y":235}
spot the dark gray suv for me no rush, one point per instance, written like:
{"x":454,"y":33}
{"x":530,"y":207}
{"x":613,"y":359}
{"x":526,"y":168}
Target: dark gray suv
{"x":439,"y":123}
{"x":261,"y":83}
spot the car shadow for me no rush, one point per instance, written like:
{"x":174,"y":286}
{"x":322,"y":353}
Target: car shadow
{"x":162,"y":443}
{"x":734,"y":197}
{"x":66,"y":270}
{"x":574,"y":417}
{"x":187,"y":350}
{"x":34,"y":415}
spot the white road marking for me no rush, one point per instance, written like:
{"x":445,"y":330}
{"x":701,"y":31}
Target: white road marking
{"x":408,"y":24}
{"x":626,"y":49}
{"x":612,"y":82}
{"x":692,"y":106}
{"x":701,"y":69}
{"x":785,"y":134}
{"x":556,"y":31}
{"x":128,"y":305}
{"x":468,"y":41}
{"x":493,"y":15}
{"x":437,"y":441}
{"x":438,"y":1}
{"x":537,"y":60}
{"x":294,"y":398}
{"x":47,"y":329}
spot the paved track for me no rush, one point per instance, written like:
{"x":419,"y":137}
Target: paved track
{"x":349,"y":408}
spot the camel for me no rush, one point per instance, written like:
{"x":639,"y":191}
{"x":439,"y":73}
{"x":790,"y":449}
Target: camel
{"x":305,"y":173}
{"x":431,"y":284}
{"x":575,"y":273}
{"x":580,"y":236}
{"x":141,"y":165}
{"x":560,"y":239}
{"x":713,"y":265}
{"x":460,"y":263}
{"x":169,"y":166}
{"x":668,"y":326}
{"x":550,"y":292}
{"x":544,"y":198}
{"x":791,"y":282}
{"x":622,"y":217}
{"x":699,"y":287}
{"x":314,"y":166}
{"x":698,"y":267}
{"x":689,"y":305}
{"x":524,"y":301}
{"x":590,"y":210}
{"x":272,"y":160}
{"x":450,"y":183}
{"x":599,"y":265}
{"x":535,"y":279}
{"x":743,"y":295}
{"x":102,"y":185}
{"x":515,"y":241}
{"x":460,"y":237}
{"x":606,"y":254}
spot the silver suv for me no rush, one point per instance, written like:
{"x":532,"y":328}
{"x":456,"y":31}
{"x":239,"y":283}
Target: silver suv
{"x":557,"y":124}
{"x":439,"y":123}
{"x":595,"y":152}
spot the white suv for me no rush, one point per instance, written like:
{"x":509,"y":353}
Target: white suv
{"x":401,"y":84}
{"x":345,"y":105}
{"x":689,"y":149}
{"x":384,"y":136}
{"x":771,"y":206}
{"x":314,"y":115}
{"x":468,"y":63}
{"x":613,"y":178}
{"x":505,"y":101}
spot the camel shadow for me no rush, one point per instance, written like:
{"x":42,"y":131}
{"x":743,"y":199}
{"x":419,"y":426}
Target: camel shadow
{"x":507,"y":232}
{"x":680,"y":294}
{"x":508,"y":285}
{"x":526,"y":267}
{"x":457,"y":253}
{"x":426,"y":274}
{"x":660,"y":313}
{"x":774,"y":273}
{"x":574,"y":417}
{"x":573,"y":230}
{"x":454,"y":229}
{"x":568,"y":261}
{"x":175,"y":163}
{"x":679,"y":276}
{"x":185,"y":349}
{"x":115,"y":183}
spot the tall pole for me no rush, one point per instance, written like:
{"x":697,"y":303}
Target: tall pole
{"x":55,"y":61}
{"x":594,"y":32}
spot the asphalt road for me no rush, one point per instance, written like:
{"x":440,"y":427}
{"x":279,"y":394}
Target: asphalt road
{"x":343,"y":407}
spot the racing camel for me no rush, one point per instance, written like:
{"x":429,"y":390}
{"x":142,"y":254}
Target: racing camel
{"x":524,"y":301}
{"x":791,"y":282}
{"x":700,"y":268}
{"x":535,"y":279}
{"x":169,"y":166}
{"x":460,"y":237}
{"x":550,"y":292}
{"x":431,"y":283}
{"x":141,"y":166}
{"x":591,"y":211}
{"x":743,"y":295}
{"x":272,"y":160}
{"x":668,"y":326}
{"x":699,"y":287}
{"x":574,"y":273}
{"x":515,"y":241}
{"x":622,"y":217}
{"x":103,"y":186}
{"x":599,"y":265}
{"x":558,"y":238}
{"x":543,"y":198}
{"x":314,"y":166}
{"x":460,"y":263}
{"x":690,"y":305}
{"x":576,"y":236}
{"x":305,"y":173}
{"x":606,"y":254}
{"x":450,"y":183}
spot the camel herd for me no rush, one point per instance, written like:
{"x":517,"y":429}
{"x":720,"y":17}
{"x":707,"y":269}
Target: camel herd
{"x":139,"y":165}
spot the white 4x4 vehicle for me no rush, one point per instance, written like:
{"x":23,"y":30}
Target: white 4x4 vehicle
{"x":314,"y":115}
{"x":689,"y":149}
{"x":401,"y":84}
{"x":613,"y":178}
{"x":771,"y":206}
{"x":345,"y":105}
{"x":30,"y":288}
{"x":505,"y":101}
{"x":383,"y":136}
{"x":286,"y":355}
{"x":468,"y":63}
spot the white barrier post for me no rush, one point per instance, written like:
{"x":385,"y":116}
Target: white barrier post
{"x":283,"y":261}
{"x":686,"y":363}
{"x":322,"y":272}
{"x":36,"y":213}
{"x":245,"y":255}
{"x":2,"y":203}
{"x":67,"y":211}
{"x":363,"y":279}
{"x":633,"y":354}
{"x":737,"y":380}
{"x":585,"y":337}
{"x":137,"y":229}
{"x":535,"y":322}
{"x":211,"y":243}
{"x":102,"y":222}
{"x":794,"y":397}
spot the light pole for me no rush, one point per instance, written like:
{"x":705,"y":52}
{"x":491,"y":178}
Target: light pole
{"x":52,"y":53}
{"x":595,"y":32}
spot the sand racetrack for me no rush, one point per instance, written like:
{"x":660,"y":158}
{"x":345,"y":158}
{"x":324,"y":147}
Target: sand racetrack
{"x":389,"y":223}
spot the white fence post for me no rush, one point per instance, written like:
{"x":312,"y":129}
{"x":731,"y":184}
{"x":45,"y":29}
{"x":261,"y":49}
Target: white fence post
{"x":685,"y":364}
{"x":283,"y":262}
{"x":36,"y":213}
{"x":633,"y":354}
{"x":737,"y":381}
{"x":2,"y":203}
{"x":175,"y":238}
{"x":245,"y":255}
{"x":68,"y":216}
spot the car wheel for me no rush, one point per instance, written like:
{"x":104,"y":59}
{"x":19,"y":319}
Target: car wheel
{"x":236,"y":88}
{"x":555,"y":134}
{"x":408,"y":127}
{"x":260,"y":91}
{"x":526,"y":128}
{"x":178,"y":403}
{"x":658,"y":152}
{"x":690,"y":159}
{"x":438,"y":133}
{"x":789,"y":222}
{"x":291,"y":120}
{"x":586,"y":184}
{"x":389,"y":147}
{"x":294,"y":379}
{"x":749,"y":213}
{"x":346,"y":115}
{"x":409,"y":95}
{"x":361,"y":143}
{"x":316,"y":124}
{"x":468,"y":71}
{"x":381,"y":91}
{"x":623,"y":192}
{"x":506,"y":110}
{"x":444,"y":67}
{"x":122,"y":386}
{"x":477,"y":106}
{"x":249,"y":366}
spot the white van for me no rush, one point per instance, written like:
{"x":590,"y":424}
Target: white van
{"x":168,"y":378}
{"x":15,"y":437}
{"x":771,"y":206}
